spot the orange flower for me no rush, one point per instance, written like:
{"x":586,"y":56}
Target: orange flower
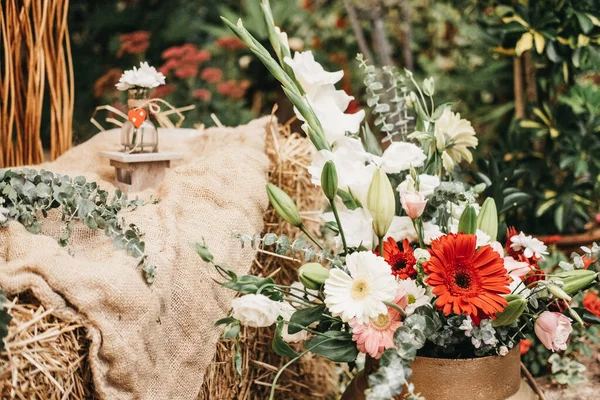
{"x":230,"y":43}
{"x":591,"y":302}
{"x":106,"y":83}
{"x":211,"y":75}
{"x":402,"y":261}
{"x":466,"y":280}
{"x":163,"y":91}
{"x":202,"y":94}
{"x":134,"y":43}
{"x":524,"y":346}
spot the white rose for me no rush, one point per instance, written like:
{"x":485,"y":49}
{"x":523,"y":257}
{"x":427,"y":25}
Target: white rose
{"x":402,"y":228}
{"x":400,"y":156}
{"x":255,"y":310}
{"x":427,"y":184}
{"x":309,"y":73}
{"x":286,"y":312}
{"x":357,"y":225}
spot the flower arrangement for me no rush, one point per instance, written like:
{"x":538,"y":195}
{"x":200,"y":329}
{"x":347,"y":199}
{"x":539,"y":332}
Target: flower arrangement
{"x":417,"y":267}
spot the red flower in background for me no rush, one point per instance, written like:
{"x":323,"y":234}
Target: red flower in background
{"x":134,"y":43}
{"x":211,"y":75}
{"x":203,"y":94}
{"x":467,"y":280}
{"x":535,"y":275}
{"x":591,"y":302}
{"x":163,"y":91}
{"x":186,"y":71}
{"x":524,"y":345}
{"x":232,"y":43}
{"x":106,"y":83}
{"x":183,"y":60}
{"x":402,"y":261}
{"x":233,"y":89}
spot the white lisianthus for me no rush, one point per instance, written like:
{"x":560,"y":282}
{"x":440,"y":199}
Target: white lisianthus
{"x":427,"y":184}
{"x":286,"y":312}
{"x":143,"y":77}
{"x":431,"y":231}
{"x":357,"y":225}
{"x":453,"y":137}
{"x":361,"y":293}
{"x":352,"y":165}
{"x":416,"y":295}
{"x":530,"y":246}
{"x":421,"y":254}
{"x":400,"y":156}
{"x":255,"y":310}
{"x":310,"y":74}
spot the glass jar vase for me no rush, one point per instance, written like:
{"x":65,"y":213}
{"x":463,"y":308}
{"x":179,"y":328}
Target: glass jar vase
{"x":139,"y":137}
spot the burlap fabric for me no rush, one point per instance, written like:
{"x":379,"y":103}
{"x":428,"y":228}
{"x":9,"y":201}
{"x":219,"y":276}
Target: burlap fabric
{"x":150,"y":342}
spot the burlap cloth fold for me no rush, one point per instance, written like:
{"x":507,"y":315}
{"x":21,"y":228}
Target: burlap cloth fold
{"x":149,"y":342}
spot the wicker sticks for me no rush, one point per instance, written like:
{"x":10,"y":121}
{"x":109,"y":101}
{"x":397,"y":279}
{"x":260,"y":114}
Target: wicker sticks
{"x":36,"y":61}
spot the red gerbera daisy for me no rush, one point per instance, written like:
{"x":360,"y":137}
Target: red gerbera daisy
{"x":466,"y":280}
{"x":592,"y":303}
{"x":402,"y":261}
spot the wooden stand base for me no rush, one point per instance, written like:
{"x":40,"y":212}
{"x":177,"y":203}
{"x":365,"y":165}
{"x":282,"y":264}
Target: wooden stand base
{"x":137,"y":172}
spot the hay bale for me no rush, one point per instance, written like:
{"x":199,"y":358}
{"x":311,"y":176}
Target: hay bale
{"x":46,"y":357}
{"x":312,"y":377}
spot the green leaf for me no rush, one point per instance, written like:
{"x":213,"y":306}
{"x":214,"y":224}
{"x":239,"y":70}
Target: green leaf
{"x":333,"y":345}
{"x":370,"y":141}
{"x":514,"y":200}
{"x":305,"y":317}
{"x":231,"y":331}
{"x":585,"y":22}
{"x":280,"y":347}
{"x":226,"y":320}
{"x":559,"y":217}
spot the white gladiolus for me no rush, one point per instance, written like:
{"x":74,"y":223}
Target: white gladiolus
{"x":351,"y":162}
{"x":255,"y":310}
{"x":143,"y":77}
{"x":310,"y":74}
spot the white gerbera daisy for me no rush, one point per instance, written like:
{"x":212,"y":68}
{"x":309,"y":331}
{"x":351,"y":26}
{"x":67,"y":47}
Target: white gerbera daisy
{"x":417,"y":295}
{"x":360,"y":294}
{"x":530,"y":246}
{"x":453,"y":136}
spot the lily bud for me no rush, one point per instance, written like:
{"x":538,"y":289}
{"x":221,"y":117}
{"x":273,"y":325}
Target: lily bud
{"x":313,"y":275}
{"x":284,"y":205}
{"x":558,"y":292}
{"x":381,"y":202}
{"x":575,"y":280}
{"x":329,"y":180}
{"x":468,"y":221}
{"x":487,"y":221}
{"x":429,"y":86}
{"x":512,"y":312}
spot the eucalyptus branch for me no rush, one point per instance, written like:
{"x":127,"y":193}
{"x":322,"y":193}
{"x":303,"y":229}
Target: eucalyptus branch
{"x":32,"y":194}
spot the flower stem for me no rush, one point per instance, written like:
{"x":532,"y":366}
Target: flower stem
{"x":339,"y":224}
{"x":381,"y":246}
{"x":311,"y":237}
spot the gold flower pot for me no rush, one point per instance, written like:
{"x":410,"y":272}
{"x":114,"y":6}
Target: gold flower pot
{"x":485,"y":378}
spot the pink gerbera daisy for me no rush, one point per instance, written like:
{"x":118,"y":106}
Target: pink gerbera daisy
{"x":377,"y":335}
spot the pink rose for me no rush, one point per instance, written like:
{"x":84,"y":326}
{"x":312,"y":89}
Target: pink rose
{"x":553,"y":329}
{"x":413,"y":203}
